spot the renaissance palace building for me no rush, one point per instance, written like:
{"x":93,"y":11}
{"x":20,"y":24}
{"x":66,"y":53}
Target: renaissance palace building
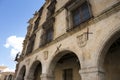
{"x":72,"y":40}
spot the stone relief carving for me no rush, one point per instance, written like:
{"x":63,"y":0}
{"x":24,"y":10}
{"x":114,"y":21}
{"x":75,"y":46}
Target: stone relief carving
{"x":82,"y":40}
{"x":36,"y":58}
{"x":45,"y":55}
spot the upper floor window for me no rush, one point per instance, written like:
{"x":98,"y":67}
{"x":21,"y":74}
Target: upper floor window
{"x":31,"y":44}
{"x":81,"y":14}
{"x":36,"y":23}
{"x":51,"y":8}
{"x":48,"y":30}
{"x":78,"y":12}
{"x":47,"y":36}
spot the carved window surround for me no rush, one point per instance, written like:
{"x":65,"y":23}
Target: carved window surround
{"x":47,"y":26}
{"x":47,"y":35}
{"x":51,"y":8}
{"x":36,"y":23}
{"x":71,"y":6}
{"x":48,"y":23}
{"x":31,"y":44}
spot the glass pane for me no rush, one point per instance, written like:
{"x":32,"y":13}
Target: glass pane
{"x":76,"y":17}
{"x":49,"y":35}
{"x":85,"y":12}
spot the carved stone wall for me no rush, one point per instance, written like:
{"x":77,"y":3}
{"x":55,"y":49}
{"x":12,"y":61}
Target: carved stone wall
{"x":90,"y":41}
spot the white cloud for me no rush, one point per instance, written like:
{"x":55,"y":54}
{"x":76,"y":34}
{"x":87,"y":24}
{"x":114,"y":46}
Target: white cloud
{"x":8,"y":70}
{"x":15,"y":44}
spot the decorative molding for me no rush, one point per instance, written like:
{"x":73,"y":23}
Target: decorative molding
{"x":48,"y":23}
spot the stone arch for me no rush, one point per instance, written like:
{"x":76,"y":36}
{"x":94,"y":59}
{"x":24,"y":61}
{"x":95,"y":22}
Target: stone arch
{"x":5,"y":77}
{"x":35,"y":71}
{"x":22,"y":73}
{"x":10,"y":77}
{"x":57,"y":59}
{"x":104,"y":47}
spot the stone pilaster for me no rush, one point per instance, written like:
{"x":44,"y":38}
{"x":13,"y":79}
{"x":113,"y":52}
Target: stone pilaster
{"x":92,"y":73}
{"x":47,"y":77}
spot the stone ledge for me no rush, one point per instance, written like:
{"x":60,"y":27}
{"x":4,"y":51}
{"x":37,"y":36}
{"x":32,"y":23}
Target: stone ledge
{"x":91,"y":70}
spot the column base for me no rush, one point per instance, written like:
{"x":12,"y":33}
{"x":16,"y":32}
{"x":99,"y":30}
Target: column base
{"x":47,"y":77}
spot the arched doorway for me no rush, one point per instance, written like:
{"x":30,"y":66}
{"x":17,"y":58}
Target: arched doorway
{"x":35,"y":71}
{"x":5,"y":77}
{"x":22,"y":72}
{"x":111,"y":63}
{"x":10,"y":77}
{"x":65,"y":66}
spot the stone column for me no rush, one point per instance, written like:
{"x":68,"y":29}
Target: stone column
{"x":47,"y":77}
{"x":92,"y":73}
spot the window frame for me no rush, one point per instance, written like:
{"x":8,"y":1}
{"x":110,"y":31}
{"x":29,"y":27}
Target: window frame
{"x":47,"y":25}
{"x":70,"y":8}
{"x":44,"y":37}
{"x":31,"y":44}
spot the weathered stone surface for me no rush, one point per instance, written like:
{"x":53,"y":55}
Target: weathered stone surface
{"x":90,"y":49}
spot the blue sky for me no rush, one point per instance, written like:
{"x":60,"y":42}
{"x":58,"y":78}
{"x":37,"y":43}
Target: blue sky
{"x":14,"y":15}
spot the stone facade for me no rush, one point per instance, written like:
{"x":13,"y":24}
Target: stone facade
{"x":7,"y":76}
{"x":56,"y":47}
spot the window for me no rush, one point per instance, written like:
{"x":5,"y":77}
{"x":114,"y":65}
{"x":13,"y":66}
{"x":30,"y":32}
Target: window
{"x":31,"y":44}
{"x":36,"y":23}
{"x":68,"y":74}
{"x":38,"y":19}
{"x":51,"y":8}
{"x":80,"y":14}
{"x":47,"y":36}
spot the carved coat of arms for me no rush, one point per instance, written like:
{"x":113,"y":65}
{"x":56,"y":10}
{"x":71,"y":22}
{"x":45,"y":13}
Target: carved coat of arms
{"x":82,"y":40}
{"x":45,"y":55}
